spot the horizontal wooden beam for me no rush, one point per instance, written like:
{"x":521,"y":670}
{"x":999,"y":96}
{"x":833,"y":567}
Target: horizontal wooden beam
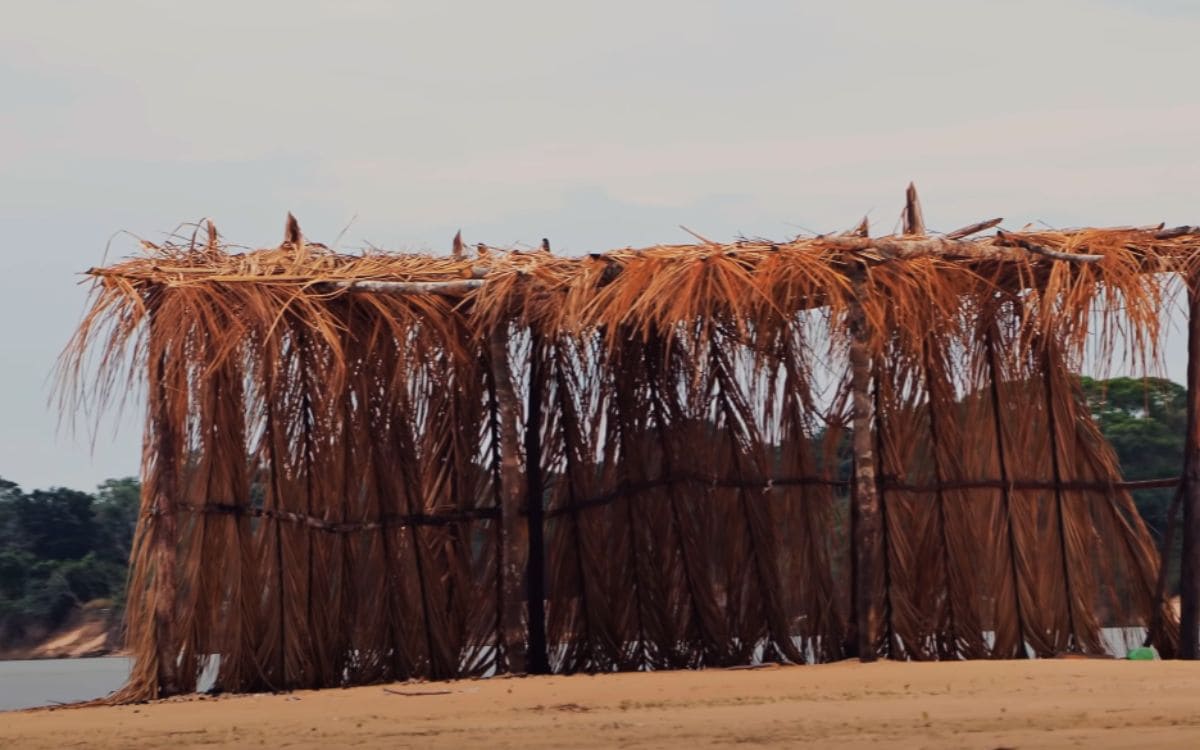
{"x":897,"y":247}
{"x":454,"y":288}
{"x":1173,"y":232}
{"x":971,"y":229}
{"x":1046,"y":252}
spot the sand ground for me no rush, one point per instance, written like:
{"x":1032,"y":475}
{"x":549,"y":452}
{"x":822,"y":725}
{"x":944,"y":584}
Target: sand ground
{"x":1061,"y":703}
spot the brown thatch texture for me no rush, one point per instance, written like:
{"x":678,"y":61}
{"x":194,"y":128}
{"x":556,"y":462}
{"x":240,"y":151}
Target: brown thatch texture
{"x":323,"y":472}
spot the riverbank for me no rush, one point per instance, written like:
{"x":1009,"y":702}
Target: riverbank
{"x":1089,"y":703}
{"x":88,"y":633}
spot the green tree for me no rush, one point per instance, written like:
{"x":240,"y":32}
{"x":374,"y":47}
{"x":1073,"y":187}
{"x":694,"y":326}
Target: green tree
{"x":55,"y":524}
{"x":116,"y":508}
{"x":60,"y":549}
{"x":9,"y":534}
{"x":1145,"y":421}
{"x":15,"y":567}
{"x":91,"y":578}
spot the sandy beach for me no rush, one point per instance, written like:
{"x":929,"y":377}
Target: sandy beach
{"x":1062,"y":703}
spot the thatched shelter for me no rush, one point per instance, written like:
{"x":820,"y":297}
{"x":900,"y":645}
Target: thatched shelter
{"x":376,"y":467}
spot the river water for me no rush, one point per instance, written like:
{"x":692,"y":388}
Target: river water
{"x":44,"y":682}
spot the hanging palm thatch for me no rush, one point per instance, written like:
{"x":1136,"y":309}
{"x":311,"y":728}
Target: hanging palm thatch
{"x":376,"y":467}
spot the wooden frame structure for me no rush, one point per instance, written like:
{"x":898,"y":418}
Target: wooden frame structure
{"x":377,"y":467}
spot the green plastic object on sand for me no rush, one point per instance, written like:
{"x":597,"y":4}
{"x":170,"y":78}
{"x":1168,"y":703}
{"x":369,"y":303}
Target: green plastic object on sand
{"x":1142,"y":653}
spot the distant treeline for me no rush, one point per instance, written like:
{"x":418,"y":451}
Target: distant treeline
{"x":1145,"y":421}
{"x":62,"y":549}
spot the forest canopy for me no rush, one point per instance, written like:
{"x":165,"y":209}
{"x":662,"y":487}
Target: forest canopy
{"x":61,"y":549}
{"x":1145,"y":421}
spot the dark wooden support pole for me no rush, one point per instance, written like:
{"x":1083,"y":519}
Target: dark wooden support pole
{"x":274,"y":489}
{"x":166,"y":534}
{"x":1059,"y":499}
{"x":538,"y":660}
{"x":511,"y":498}
{"x":630,"y":470}
{"x":494,"y":472}
{"x":914,"y":217}
{"x":1189,"y":573}
{"x":1006,"y":490}
{"x":946,"y":642}
{"x":1161,"y":602}
{"x":867,"y":531}
{"x":885,"y":551}
{"x":413,"y":505}
{"x":164,"y":457}
{"x":571,"y":438}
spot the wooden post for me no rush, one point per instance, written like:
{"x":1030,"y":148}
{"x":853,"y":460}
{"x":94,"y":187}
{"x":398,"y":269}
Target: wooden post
{"x":163,"y":455}
{"x":1189,"y":574}
{"x":570,"y":429}
{"x":1154,"y":629}
{"x":511,"y":495}
{"x":867,"y":531}
{"x":1059,"y":499}
{"x":946,"y":643}
{"x":885,"y":552}
{"x":535,"y":569}
{"x":867,"y":551}
{"x":1006,"y":490}
{"x":914,"y":218}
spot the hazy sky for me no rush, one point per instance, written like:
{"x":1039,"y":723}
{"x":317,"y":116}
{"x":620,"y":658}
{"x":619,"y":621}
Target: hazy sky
{"x":595,"y":124}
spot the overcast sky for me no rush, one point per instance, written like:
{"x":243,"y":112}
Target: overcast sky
{"x":595,"y":124}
